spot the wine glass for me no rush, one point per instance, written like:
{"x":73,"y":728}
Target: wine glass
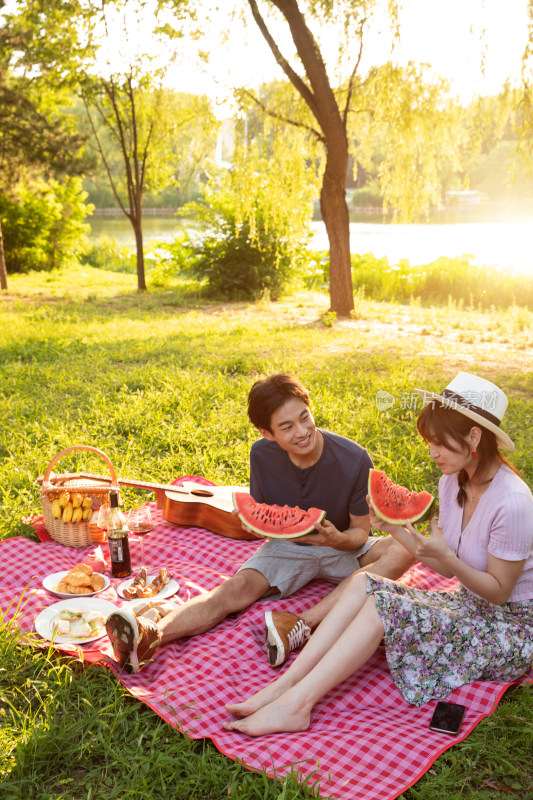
{"x":103,"y":514}
{"x":139,"y":522}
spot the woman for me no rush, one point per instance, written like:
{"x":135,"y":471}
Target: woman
{"x":434,"y":641}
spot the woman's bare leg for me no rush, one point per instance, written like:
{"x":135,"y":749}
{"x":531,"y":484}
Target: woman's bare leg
{"x":291,"y":711}
{"x":326,"y":635}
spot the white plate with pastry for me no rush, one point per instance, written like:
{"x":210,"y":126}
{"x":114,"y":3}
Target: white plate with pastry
{"x":55,"y":582}
{"x":74,"y":621}
{"x":143,"y":581}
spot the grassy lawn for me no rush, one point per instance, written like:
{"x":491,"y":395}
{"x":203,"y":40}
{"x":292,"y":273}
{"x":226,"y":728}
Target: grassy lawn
{"x":159,"y":382}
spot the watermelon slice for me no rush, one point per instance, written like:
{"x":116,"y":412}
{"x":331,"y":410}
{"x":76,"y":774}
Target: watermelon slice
{"x":396,"y":504}
{"x":275,"y":522}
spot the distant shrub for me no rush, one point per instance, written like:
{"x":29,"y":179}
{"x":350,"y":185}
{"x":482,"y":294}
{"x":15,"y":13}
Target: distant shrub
{"x":367,"y":196}
{"x":255,"y":219}
{"x":437,"y":282}
{"x":43,"y":225}
{"x":105,"y":253}
{"x":239,"y":264}
{"x":440,"y":280}
{"x":316,"y":271}
{"x":170,"y":259}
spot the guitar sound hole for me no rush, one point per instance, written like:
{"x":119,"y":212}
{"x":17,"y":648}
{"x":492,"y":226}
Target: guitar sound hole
{"x":202,"y":492}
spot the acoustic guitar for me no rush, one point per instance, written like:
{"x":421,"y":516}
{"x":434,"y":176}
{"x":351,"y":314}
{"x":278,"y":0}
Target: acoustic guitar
{"x":207,"y":506}
{"x":192,"y":503}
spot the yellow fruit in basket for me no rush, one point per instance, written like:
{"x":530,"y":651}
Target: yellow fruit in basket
{"x":56,"y":509}
{"x":77,"y":499}
{"x":87,"y":502}
{"x":77,"y":514}
{"x":64,"y":497}
{"x":67,"y":512}
{"x":87,"y":514}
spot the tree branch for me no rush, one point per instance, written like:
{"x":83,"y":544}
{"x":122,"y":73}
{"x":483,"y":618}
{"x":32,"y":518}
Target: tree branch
{"x":292,"y":75}
{"x":325,"y":109}
{"x":104,"y":159}
{"x":110,"y":90}
{"x":354,"y":73}
{"x":282,"y":118}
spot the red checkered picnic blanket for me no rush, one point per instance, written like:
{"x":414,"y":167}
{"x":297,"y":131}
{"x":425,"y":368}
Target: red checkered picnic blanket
{"x":365,"y":741}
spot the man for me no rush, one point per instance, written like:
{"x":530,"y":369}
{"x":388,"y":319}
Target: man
{"x":293,"y":464}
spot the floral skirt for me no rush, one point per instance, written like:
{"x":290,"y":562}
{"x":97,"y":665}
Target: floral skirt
{"x":437,"y":641}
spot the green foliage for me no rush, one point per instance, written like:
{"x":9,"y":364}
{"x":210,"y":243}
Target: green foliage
{"x":445,"y":280}
{"x":105,"y":253}
{"x":43,"y":225}
{"x":437,"y":282}
{"x":329,"y":318}
{"x":149,"y":138}
{"x":417,"y":127}
{"x":237,"y":263}
{"x":115,"y":56}
{"x":256,"y":220}
{"x":366,"y":196}
{"x":171,"y":259}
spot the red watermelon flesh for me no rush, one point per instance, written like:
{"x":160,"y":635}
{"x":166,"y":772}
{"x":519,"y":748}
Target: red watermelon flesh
{"x":396,"y":504}
{"x":276,"y":522}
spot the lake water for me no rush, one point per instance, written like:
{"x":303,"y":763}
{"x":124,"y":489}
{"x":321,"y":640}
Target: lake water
{"x":503,"y":243}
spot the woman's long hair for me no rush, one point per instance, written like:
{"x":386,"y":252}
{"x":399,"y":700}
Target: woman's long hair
{"x":442,"y":425}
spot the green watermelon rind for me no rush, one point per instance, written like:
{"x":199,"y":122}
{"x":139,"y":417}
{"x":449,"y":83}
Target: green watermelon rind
{"x":317,"y":517}
{"x":422,"y":516}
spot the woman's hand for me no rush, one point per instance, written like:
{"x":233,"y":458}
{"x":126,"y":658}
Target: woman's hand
{"x":398,"y":532}
{"x":379,"y":524}
{"x":429,"y":546}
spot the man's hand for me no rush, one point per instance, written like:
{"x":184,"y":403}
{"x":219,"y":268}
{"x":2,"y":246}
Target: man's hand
{"x":326,"y":535}
{"x":235,"y":513}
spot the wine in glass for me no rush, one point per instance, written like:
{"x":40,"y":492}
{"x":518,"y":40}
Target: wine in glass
{"x":139,"y":523}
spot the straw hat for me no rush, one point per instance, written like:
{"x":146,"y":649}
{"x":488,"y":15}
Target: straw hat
{"x":476,"y":398}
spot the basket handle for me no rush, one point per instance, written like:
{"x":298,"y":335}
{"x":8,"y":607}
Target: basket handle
{"x":46,"y":482}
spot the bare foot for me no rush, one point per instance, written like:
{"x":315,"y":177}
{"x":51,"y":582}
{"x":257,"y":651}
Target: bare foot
{"x":282,"y":715}
{"x":256,"y":701}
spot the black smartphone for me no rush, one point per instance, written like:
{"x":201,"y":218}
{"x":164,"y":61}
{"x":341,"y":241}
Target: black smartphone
{"x":447,"y":717}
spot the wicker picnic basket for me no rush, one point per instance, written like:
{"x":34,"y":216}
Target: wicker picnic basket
{"x":83,"y":533}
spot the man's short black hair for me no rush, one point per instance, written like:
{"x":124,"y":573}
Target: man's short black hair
{"x":269,"y":394}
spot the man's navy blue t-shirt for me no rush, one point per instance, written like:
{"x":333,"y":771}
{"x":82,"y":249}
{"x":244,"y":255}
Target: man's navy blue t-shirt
{"x":337,"y":483}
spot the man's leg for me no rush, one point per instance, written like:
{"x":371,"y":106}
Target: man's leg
{"x":286,"y":631}
{"x":205,"y":611}
{"x":135,"y":639}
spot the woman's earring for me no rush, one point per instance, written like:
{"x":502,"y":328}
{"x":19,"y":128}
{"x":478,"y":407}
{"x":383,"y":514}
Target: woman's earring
{"x":474,"y":454}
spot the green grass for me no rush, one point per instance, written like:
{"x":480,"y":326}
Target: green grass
{"x":459,"y":278}
{"x":441,"y":282}
{"x":159,"y":382}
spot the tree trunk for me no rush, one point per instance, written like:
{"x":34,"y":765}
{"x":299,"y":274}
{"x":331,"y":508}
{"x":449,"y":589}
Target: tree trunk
{"x":320,"y":98}
{"x":3,"y":270}
{"x":337,"y":221}
{"x":138,"y":230}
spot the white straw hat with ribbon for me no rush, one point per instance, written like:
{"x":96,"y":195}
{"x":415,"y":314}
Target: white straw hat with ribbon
{"x":476,"y":398}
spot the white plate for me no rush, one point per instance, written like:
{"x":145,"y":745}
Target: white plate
{"x":44,"y":622}
{"x":51,"y":581}
{"x":168,"y":589}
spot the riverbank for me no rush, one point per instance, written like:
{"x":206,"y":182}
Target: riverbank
{"x":502,"y":243}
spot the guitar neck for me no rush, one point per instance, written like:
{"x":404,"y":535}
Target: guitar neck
{"x":135,"y":484}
